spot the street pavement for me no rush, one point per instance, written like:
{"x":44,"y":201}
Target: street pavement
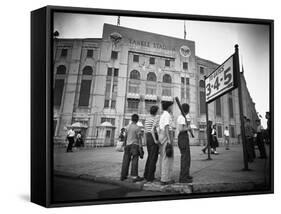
{"x":223,"y":173}
{"x":68,"y":189}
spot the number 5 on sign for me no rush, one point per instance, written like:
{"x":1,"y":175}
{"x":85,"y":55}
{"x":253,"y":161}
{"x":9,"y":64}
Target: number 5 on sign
{"x":220,"y":81}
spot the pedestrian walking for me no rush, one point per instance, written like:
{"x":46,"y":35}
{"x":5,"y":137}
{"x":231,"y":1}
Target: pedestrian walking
{"x":260,"y":141}
{"x":209,"y":136}
{"x":249,"y":140}
{"x":166,"y":158}
{"x":152,"y":143}
{"x":214,"y":141}
{"x":70,"y":138}
{"x":120,"y":143}
{"x":183,"y":144}
{"x":79,"y":140}
{"x":132,"y":150}
{"x":226,"y":138}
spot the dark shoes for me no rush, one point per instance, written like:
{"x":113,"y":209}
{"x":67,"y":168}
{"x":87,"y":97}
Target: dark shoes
{"x":138,"y":179}
{"x":123,"y":178}
{"x":204,"y":151}
{"x":189,"y":179}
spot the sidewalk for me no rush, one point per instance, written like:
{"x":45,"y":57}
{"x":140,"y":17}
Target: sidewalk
{"x":222,"y":173}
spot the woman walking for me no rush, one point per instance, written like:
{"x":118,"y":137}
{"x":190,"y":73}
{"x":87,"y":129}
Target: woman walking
{"x":166,"y":144}
{"x":152,"y":143}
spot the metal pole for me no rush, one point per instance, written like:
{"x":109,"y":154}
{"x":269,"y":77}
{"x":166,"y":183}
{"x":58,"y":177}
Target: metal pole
{"x":243,"y":137}
{"x":208,"y":129}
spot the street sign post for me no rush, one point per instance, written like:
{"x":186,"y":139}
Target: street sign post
{"x":221,"y":81}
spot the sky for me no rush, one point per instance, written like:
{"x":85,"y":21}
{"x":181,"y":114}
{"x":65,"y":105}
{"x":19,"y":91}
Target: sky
{"x":213,"y":41}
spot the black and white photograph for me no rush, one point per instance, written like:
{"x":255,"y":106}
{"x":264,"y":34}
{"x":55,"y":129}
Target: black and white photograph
{"x":146,"y":107}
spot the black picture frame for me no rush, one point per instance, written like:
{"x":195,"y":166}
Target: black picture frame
{"x":41,"y":102}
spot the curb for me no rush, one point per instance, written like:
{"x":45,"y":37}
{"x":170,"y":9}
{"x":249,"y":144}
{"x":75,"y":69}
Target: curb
{"x":173,"y":188}
{"x":106,"y":180}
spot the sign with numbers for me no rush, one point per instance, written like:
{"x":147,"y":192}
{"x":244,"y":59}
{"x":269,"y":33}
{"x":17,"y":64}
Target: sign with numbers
{"x":221,"y":80}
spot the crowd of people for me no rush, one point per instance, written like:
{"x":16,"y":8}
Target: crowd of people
{"x":74,"y":140}
{"x":158,"y":137}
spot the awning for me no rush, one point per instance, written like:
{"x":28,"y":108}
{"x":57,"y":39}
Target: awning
{"x":167,"y":98}
{"x":133,"y":96}
{"x":150,"y":97}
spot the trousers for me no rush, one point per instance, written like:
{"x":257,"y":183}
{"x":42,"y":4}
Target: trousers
{"x":183,"y":144}
{"x":152,"y":151}
{"x":131,"y":153}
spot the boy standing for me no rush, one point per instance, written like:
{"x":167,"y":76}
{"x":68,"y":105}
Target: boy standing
{"x":226,"y":138}
{"x":183,"y":143}
{"x":132,"y":150}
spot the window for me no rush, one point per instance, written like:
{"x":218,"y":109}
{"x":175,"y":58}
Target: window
{"x":87,"y":70}
{"x":109,"y":72}
{"x":232,"y":131}
{"x":114,"y":55}
{"x":106,"y":103}
{"x":230,"y":107}
{"x":116,"y":71}
{"x":133,"y":88}
{"x":150,"y":90}
{"x":151,"y":60}
{"x":133,"y":106}
{"x":187,"y":81}
{"x":167,"y":78}
{"x":167,"y":63}
{"x":136,"y":58}
{"x":61,"y":69}
{"x":85,"y":92}
{"x":58,"y":91}
{"x":63,"y":52}
{"x":202,"y":70}
{"x":108,"y":133}
{"x":85,"y":88}
{"x":166,"y":92}
{"x":219,"y":131}
{"x":151,"y":77}
{"x":185,"y":65}
{"x":202,"y":84}
{"x":182,"y":80}
{"x":218,"y":107}
{"x":135,"y":75}
{"x":202,"y":103}
{"x":90,"y":53}
{"x":113,"y":103}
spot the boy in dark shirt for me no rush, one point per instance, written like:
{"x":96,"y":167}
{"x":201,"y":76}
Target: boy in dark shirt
{"x":132,"y":150}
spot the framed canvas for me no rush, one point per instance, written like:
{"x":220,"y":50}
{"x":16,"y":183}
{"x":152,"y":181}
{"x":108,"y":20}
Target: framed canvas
{"x":132,"y":106}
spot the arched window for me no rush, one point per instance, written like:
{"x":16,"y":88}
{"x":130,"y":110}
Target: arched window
{"x":151,"y":77}
{"x":61,"y":69}
{"x":202,"y":84}
{"x":85,"y":88}
{"x":135,"y":75}
{"x":167,"y":78}
{"x":87,"y":70}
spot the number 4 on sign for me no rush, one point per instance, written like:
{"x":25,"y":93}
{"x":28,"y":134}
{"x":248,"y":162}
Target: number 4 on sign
{"x":217,"y":84}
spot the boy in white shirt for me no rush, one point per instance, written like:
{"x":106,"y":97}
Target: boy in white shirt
{"x":183,"y":144}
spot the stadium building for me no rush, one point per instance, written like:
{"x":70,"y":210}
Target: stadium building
{"x":100,"y":82}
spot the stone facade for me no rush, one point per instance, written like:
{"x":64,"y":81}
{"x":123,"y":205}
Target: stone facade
{"x":101,"y":82}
